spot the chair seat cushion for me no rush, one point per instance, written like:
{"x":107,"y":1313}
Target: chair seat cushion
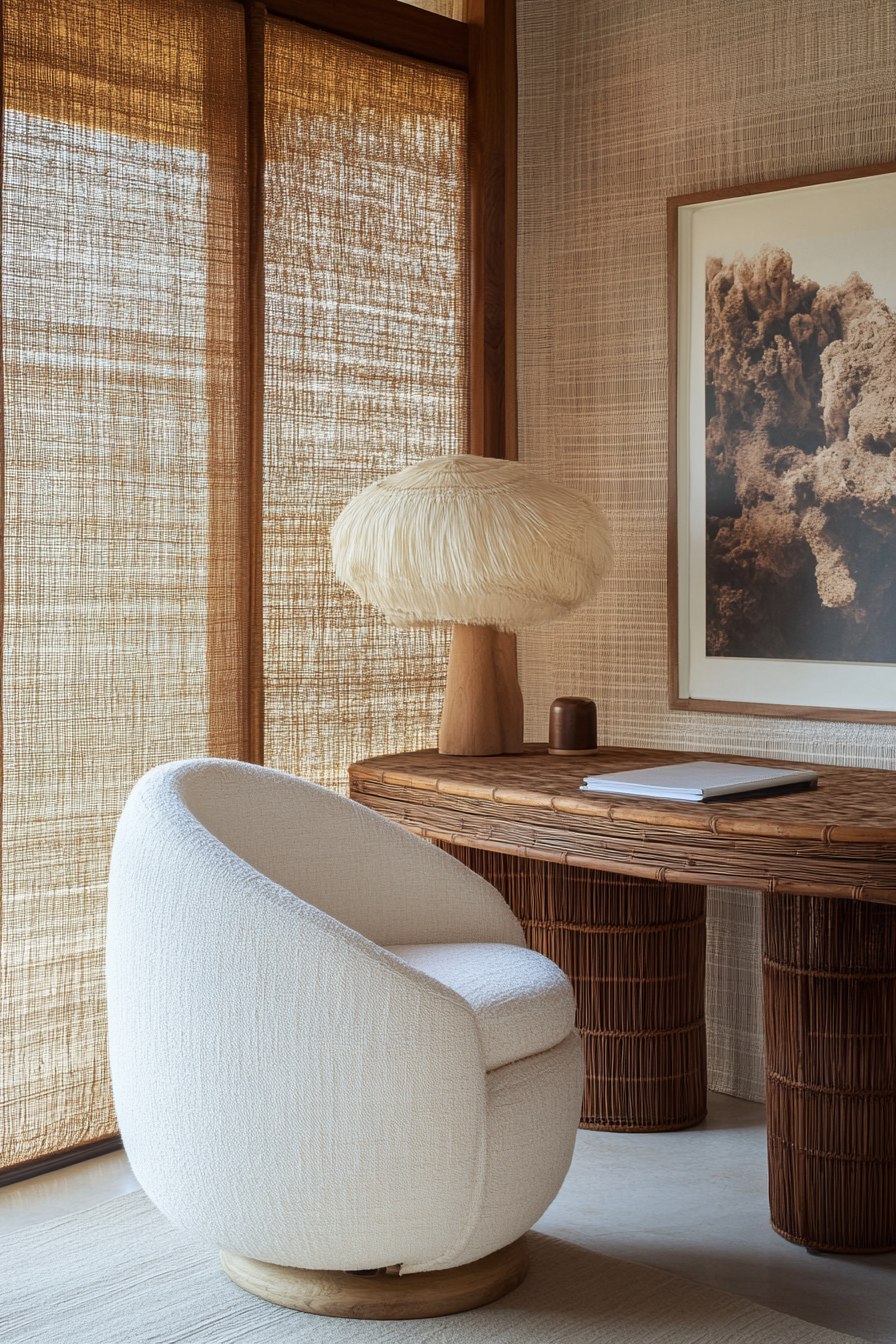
{"x":523,"y":1002}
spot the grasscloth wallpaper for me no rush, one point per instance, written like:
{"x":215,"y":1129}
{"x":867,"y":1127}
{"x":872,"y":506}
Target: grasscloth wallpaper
{"x":622,"y":104}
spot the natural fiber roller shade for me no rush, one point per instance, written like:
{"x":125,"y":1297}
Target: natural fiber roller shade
{"x":449,"y":9}
{"x":123,"y":206}
{"x":365,"y":332}
{"x":126,"y":304}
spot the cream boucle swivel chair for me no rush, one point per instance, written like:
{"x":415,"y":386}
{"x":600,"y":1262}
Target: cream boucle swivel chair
{"x":331,"y":1050}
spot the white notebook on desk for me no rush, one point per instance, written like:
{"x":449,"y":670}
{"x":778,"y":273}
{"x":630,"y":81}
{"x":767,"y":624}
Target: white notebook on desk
{"x":696,"y":781}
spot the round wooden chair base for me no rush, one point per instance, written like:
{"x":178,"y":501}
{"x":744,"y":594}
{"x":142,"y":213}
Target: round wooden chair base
{"x":383,"y":1295}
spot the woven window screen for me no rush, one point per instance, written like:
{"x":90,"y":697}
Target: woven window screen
{"x":365,"y":293}
{"x":449,"y":9}
{"x":123,"y":237}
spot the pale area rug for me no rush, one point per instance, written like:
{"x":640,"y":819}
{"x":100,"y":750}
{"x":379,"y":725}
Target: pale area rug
{"x":121,"y":1274}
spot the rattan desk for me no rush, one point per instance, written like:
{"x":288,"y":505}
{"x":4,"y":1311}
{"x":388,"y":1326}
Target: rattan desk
{"x":613,"y":890}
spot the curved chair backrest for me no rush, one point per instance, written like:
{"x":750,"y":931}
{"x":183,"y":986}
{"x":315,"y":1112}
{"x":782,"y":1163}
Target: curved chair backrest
{"x":285,"y":1087}
{"x":367,"y":872}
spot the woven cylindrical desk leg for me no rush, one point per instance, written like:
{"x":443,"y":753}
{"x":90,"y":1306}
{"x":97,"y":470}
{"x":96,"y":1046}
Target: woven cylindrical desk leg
{"x":634,"y":951}
{"x":829,"y":973}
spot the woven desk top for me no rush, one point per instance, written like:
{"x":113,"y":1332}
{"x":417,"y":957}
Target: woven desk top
{"x":836,"y":840}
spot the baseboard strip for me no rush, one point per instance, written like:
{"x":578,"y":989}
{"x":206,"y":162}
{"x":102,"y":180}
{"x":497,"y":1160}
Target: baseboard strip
{"x":23,"y":1171}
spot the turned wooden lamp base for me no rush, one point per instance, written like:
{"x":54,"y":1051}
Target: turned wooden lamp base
{"x":381,"y":1294}
{"x":483,"y":710}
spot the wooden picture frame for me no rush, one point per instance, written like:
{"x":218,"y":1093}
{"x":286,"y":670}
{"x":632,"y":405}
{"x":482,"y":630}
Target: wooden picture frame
{"x":780,"y":602}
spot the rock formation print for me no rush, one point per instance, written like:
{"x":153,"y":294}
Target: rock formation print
{"x":800,"y":465}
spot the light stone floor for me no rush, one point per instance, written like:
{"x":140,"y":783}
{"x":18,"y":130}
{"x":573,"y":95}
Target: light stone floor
{"x":696,"y":1203}
{"x":693,"y":1203}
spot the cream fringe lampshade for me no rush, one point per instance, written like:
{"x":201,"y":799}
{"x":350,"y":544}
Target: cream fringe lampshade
{"x":486,"y":545}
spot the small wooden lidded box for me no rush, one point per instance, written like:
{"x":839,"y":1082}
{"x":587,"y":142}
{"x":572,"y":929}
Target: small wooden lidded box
{"x":572,"y":729}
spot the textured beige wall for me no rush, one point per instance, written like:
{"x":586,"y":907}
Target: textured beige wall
{"x":623,"y":103}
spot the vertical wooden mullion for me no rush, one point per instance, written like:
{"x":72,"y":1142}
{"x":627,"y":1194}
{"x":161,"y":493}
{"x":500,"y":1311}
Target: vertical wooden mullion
{"x":225,"y":346}
{"x":476,"y":147}
{"x":2,"y":436}
{"x":256,"y":15}
{"x":492,"y":225}
{"x":510,"y":228}
{"x":492,"y":26}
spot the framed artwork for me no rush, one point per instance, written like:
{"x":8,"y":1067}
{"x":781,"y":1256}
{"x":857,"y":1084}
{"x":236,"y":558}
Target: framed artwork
{"x":782,"y":520}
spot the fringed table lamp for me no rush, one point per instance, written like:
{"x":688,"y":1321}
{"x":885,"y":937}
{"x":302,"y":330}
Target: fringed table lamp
{"x":485,"y":545}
